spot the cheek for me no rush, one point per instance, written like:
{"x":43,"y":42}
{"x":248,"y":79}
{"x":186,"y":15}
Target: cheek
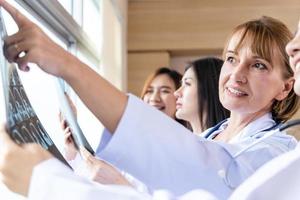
{"x":146,"y":98}
{"x":261,"y":90}
{"x":169,"y":100}
{"x":224,"y":75}
{"x":189,"y":94}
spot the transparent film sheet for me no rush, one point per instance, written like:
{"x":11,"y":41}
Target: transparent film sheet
{"x":79,"y":138}
{"x":21,"y":120}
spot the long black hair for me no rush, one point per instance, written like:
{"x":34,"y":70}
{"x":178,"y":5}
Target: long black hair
{"x":207,"y":72}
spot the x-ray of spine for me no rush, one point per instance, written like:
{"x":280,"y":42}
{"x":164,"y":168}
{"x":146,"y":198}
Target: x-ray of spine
{"x":24,"y":124}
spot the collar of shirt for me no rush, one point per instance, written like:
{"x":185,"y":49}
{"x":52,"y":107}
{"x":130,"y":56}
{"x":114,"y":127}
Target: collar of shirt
{"x":262,"y":123}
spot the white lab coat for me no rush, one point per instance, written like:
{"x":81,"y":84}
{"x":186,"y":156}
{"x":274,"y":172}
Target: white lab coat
{"x":278,"y":179}
{"x":164,"y":155}
{"x":52,"y":180}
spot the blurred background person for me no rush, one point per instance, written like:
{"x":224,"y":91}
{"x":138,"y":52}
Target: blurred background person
{"x":198,"y":97}
{"x":159,"y":88}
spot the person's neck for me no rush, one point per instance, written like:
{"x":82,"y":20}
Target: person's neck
{"x":236,"y":123}
{"x":196,"y":126}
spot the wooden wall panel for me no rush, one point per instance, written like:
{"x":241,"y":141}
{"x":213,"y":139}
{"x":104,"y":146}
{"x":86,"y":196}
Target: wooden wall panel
{"x":140,"y":65}
{"x":177,"y":25}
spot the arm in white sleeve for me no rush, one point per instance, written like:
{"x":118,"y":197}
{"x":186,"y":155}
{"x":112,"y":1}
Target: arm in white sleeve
{"x":53,"y":180}
{"x":163,"y":154}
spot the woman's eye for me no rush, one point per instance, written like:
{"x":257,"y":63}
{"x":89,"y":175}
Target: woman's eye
{"x":149,"y":91}
{"x":166,"y":91}
{"x":260,"y":66}
{"x":230,"y":59}
{"x":188,"y":84}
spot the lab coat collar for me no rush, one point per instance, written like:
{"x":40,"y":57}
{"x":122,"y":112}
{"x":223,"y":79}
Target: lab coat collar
{"x":260,"y":124}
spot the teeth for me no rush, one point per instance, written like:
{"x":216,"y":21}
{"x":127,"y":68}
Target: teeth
{"x":159,"y":107}
{"x":235,"y":91}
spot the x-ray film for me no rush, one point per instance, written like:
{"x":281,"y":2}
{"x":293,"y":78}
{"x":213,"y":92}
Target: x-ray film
{"x":22,"y":122}
{"x":68,"y":114}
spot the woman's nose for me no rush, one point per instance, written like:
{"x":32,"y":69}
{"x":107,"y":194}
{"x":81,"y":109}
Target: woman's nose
{"x":177,"y":93}
{"x":239,"y":73}
{"x":293,"y":47}
{"x":155,"y":96}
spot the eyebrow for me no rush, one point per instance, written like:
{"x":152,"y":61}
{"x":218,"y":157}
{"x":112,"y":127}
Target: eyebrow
{"x":161,"y":87}
{"x":230,"y":51}
{"x":255,"y":56}
{"x":165,"y":87}
{"x":186,"y":78}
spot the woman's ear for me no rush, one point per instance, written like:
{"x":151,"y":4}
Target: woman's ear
{"x":288,"y":86}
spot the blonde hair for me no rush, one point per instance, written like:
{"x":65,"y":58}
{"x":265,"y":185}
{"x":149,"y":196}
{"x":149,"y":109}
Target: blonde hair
{"x":267,"y":35}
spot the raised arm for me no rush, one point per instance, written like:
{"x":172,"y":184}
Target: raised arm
{"x":102,"y":98}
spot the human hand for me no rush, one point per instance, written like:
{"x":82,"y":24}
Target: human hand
{"x":35,"y":44}
{"x":17,"y":162}
{"x":101,"y":171}
{"x":69,"y":145}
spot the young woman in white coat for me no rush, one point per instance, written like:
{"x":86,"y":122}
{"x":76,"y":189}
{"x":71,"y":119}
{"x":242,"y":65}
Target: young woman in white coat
{"x":198,"y":97}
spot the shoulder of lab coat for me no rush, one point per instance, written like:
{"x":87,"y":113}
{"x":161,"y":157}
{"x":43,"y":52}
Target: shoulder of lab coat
{"x":278,"y":179}
{"x":51,"y":179}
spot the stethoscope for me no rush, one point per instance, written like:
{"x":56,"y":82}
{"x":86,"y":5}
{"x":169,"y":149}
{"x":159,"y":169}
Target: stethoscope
{"x":274,"y":130}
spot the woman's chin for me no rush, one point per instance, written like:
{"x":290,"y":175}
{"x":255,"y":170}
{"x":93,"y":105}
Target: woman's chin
{"x":297,"y":87}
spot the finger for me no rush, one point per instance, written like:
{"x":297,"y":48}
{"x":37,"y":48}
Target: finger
{"x":67,"y":133}
{"x":87,"y":156}
{"x":15,"y":38}
{"x":13,"y":51}
{"x":19,"y":18}
{"x":23,"y":62}
{"x":64,"y":124}
{"x":68,"y":137}
{"x":60,"y":116}
{"x":68,"y":130}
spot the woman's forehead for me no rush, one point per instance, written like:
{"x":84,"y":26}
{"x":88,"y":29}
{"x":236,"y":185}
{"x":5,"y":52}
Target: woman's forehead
{"x":235,"y":45}
{"x":162,"y":79}
{"x":253,"y":45}
{"x":189,"y":72}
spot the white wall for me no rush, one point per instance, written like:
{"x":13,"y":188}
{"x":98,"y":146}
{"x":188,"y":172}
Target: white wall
{"x":114,"y":53}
